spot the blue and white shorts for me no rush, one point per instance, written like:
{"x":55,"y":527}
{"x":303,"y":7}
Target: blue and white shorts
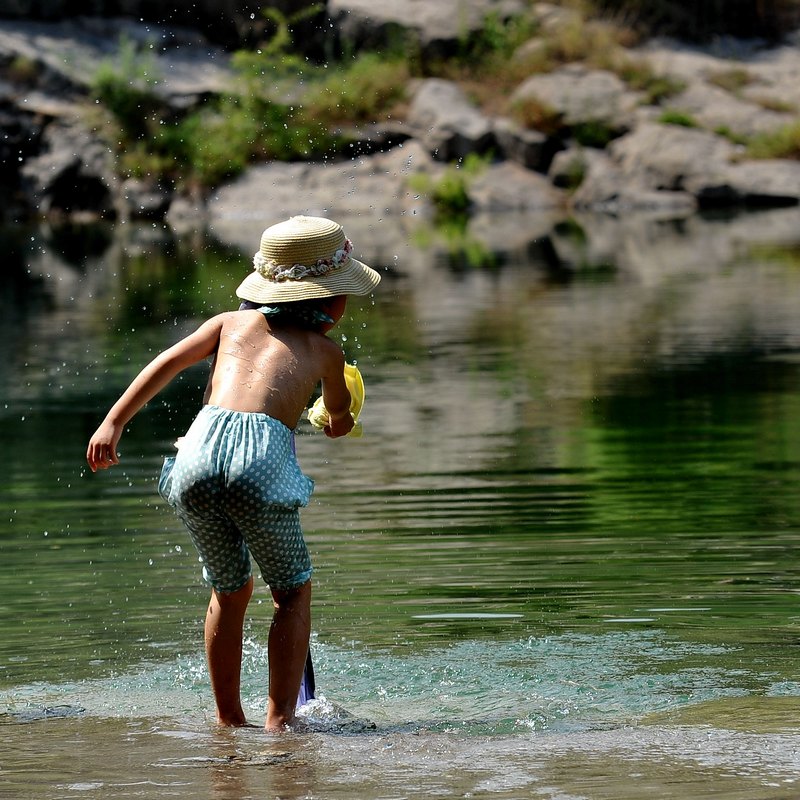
{"x":237,"y":487}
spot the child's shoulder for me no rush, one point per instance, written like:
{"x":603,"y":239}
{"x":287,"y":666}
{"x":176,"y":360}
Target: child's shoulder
{"x":237,"y":317}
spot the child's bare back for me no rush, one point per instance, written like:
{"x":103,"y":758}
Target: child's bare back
{"x":264,"y":366}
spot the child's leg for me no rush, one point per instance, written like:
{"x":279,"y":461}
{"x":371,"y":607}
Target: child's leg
{"x":288,"y":649}
{"x":223,"y":634}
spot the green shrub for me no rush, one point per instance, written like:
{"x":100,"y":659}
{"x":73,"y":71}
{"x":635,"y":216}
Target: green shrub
{"x":574,"y":174}
{"x":210,"y":143}
{"x":673,"y":116}
{"x":774,"y":104}
{"x":140,"y":161}
{"x":364,"y":90}
{"x":732,"y":136}
{"x":781,"y":143}
{"x":639,"y":76}
{"x":593,"y":133}
{"x":495,"y":39}
{"x":221,"y":139}
{"x":125,"y":86}
{"x":732,"y":80}
{"x":274,"y":57}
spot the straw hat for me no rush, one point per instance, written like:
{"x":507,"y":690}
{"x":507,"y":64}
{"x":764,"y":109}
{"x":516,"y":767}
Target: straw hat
{"x":305,"y":258}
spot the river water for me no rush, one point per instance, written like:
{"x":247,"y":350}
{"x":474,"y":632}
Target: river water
{"x":561,"y":562}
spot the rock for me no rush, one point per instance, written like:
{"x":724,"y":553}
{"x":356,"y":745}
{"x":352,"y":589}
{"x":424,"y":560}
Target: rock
{"x":510,"y":187}
{"x":20,"y":136}
{"x":569,"y":167}
{"x":181,"y":64}
{"x":552,"y":17}
{"x":777,"y":75}
{"x":762,"y":183}
{"x":73,"y":175}
{"x":670,"y":157}
{"x":53,"y":163}
{"x":446,"y":122}
{"x":532,"y":149}
{"x":688,"y":62}
{"x":715,"y":109}
{"x":60,"y":165}
{"x":581,"y":95}
{"x":439,"y":28}
{"x":369,"y":188}
{"x":675,"y":168}
{"x":607,"y":188}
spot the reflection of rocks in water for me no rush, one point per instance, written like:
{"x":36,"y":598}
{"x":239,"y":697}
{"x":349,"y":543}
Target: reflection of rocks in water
{"x":567,"y":311}
{"x":563,"y":309}
{"x":66,"y":288}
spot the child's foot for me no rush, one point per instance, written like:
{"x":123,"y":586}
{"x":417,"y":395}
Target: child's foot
{"x":234,"y":722}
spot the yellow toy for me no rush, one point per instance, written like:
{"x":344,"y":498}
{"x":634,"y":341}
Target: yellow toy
{"x":318,"y":414}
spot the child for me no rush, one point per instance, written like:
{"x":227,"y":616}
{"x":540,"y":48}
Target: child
{"x":235,"y":481}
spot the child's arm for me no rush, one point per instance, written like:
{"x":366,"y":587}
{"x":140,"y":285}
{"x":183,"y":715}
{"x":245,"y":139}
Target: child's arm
{"x":102,"y":450}
{"x":336,"y":396}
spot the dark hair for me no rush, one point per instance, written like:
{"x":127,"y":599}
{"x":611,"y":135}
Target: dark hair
{"x":306,"y":313}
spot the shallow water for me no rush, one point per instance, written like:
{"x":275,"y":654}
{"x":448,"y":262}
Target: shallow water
{"x":560,"y":563}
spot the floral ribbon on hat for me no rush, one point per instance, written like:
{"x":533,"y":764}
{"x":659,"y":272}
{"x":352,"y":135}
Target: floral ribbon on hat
{"x":277,"y":273}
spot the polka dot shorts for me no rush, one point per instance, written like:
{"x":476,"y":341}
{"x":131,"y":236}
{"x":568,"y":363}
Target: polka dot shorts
{"x":237,"y":487}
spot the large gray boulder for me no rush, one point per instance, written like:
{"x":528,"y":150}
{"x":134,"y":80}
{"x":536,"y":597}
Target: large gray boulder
{"x":609,"y":189}
{"x":715,"y":109}
{"x":74,"y":174}
{"x":671,"y":157}
{"x":51,"y":152}
{"x":437,"y":27}
{"x":532,"y":149}
{"x":774,"y":182}
{"x":674,"y":167}
{"x":446,"y":122}
{"x":582,"y":95}
{"x":363,"y":191}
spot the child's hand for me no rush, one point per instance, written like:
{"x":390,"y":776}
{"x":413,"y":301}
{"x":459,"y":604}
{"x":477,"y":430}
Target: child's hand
{"x":102,"y":450}
{"x":347,"y":424}
{"x":339,"y":427}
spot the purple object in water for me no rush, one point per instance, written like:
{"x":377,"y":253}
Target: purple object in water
{"x":307,"y":686}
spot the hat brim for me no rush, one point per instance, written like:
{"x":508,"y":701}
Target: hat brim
{"x":351,"y":278}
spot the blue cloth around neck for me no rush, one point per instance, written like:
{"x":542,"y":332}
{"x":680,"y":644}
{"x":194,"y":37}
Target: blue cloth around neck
{"x":304,"y":313}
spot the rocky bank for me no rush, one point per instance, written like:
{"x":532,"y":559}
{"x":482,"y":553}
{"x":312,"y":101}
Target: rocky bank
{"x":53,"y":164}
